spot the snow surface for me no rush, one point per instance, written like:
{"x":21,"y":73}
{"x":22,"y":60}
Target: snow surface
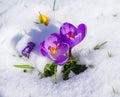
{"x":102,"y":18}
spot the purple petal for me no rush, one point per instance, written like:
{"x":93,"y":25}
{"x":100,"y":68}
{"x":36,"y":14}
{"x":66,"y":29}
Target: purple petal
{"x":26,"y":51}
{"x":63,"y":48}
{"x":61,"y":60}
{"x":82,"y":29}
{"x":31,"y":44}
{"x":52,"y":57}
{"x":45,"y":53}
{"x":69,"y":41}
{"x":77,"y":39}
{"x":42,"y":49}
{"x":66,"y":28}
{"x":52,"y":40}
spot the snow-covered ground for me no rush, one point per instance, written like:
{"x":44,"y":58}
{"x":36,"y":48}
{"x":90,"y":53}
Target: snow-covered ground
{"x":102,"y":18}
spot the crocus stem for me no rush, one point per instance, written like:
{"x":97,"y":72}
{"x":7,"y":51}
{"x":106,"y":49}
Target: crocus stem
{"x":70,"y":52}
{"x":54,"y":5}
{"x":55,"y":70}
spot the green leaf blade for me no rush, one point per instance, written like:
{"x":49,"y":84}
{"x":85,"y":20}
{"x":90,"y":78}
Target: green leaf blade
{"x":79,"y":69}
{"x":100,"y":45}
{"x":66,"y":71}
{"x":49,"y":69}
{"x":24,"y":66}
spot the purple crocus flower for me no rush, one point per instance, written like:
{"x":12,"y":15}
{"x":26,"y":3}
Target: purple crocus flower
{"x":55,"y":49}
{"x":27,"y":50}
{"x":72,"y":35}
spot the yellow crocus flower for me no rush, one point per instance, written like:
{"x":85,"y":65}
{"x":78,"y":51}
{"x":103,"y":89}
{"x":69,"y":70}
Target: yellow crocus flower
{"x":43,"y":19}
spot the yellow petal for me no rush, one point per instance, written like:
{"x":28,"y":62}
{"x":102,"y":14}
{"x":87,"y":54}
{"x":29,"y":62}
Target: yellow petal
{"x":43,"y":19}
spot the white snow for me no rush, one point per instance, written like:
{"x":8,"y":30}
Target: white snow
{"x":102,"y":18}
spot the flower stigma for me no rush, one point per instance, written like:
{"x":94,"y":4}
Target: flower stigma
{"x":53,"y":50}
{"x":70,"y":35}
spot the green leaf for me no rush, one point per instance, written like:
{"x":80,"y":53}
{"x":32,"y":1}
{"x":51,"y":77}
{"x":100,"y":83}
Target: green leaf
{"x":66,"y":70}
{"x":55,"y":70}
{"x":49,"y":69}
{"x":91,"y":66}
{"x":54,"y":5}
{"x":41,"y":74}
{"x":36,"y":22}
{"x":73,"y":61}
{"x":68,"y":67}
{"x":72,"y":65}
{"x":79,"y":68}
{"x":115,"y":91}
{"x":24,"y":66}
{"x":20,"y":56}
{"x":100,"y":45}
{"x":109,"y":54}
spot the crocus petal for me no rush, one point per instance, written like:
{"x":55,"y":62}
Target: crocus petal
{"x":42,"y":49}
{"x":82,"y":29}
{"x":27,"y":50}
{"x":68,"y":40}
{"x":52,"y":40}
{"x":66,"y":28}
{"x":63,"y":48}
{"x":52,"y":57}
{"x":31,"y":44}
{"x":61,"y":60}
{"x":77,"y":39}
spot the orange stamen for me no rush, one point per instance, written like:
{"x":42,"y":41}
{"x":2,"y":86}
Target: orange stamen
{"x":70,"y":35}
{"x":53,"y":49}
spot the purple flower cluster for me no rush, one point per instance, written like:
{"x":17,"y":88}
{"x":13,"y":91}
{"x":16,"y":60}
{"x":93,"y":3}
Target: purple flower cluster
{"x":57,"y":45}
{"x":27,"y":50}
